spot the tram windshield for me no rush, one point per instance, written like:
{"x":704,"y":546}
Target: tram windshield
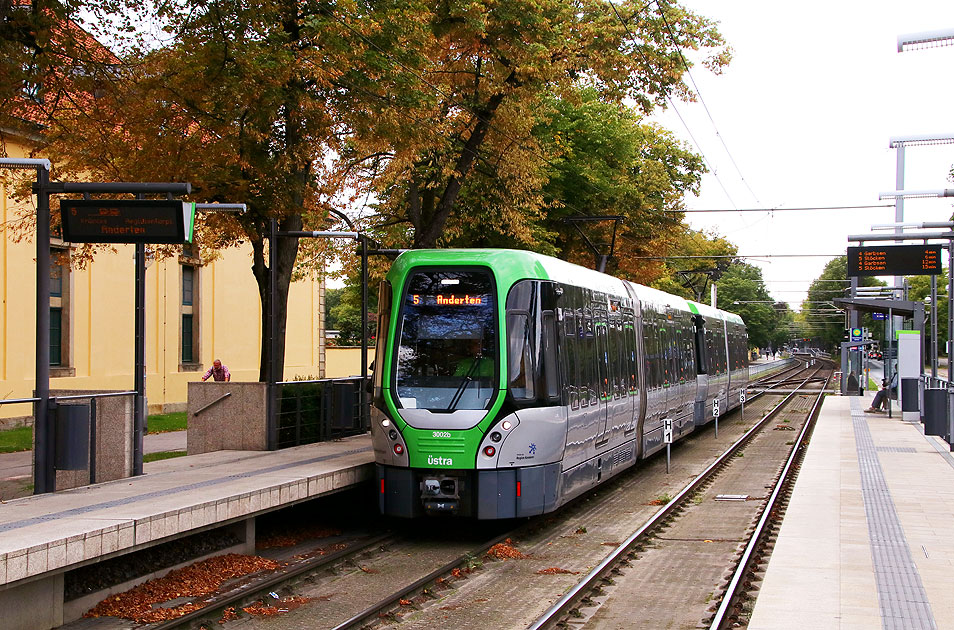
{"x":447,"y":358}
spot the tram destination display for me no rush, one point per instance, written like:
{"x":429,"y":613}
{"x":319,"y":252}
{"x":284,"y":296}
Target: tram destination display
{"x":127,"y":221}
{"x":894,"y":260}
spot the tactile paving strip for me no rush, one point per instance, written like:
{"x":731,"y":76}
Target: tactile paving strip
{"x":903,"y":600}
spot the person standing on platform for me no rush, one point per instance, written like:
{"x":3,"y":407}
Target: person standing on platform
{"x":218,"y":372}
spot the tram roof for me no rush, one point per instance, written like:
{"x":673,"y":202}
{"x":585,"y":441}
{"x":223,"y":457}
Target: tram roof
{"x":513,"y":264}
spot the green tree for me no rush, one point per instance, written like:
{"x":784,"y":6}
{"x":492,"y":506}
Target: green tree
{"x":346,"y":311}
{"x":491,"y":69}
{"x":741,"y":290}
{"x":604,"y":161}
{"x":710,"y":256}
{"x":820,"y":315}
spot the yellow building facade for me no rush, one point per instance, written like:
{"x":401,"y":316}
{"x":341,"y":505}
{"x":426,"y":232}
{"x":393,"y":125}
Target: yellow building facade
{"x":195,"y":313}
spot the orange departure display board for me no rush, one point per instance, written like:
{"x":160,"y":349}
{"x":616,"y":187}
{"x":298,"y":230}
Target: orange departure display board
{"x":894,"y":260}
{"x":127,"y":221}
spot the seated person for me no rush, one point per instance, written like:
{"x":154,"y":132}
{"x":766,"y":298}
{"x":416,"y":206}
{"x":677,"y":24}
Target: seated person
{"x":880,"y":403}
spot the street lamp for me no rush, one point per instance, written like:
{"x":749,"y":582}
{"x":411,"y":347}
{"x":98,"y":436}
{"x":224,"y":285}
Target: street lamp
{"x":926,"y":39}
{"x":900,"y":195}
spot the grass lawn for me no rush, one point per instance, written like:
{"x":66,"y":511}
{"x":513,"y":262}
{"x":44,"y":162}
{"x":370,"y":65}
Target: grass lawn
{"x":162,"y":422}
{"x":154,"y":457}
{"x":19,"y":439}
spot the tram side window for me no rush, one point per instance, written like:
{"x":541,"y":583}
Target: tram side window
{"x":630,"y":335}
{"x":711,"y":351}
{"x":669,"y":351}
{"x":551,"y":382}
{"x":384,"y":317}
{"x":603,"y":374}
{"x":658,"y":358}
{"x":620,"y":365}
{"x":531,"y":344}
{"x":589,"y":356}
{"x":570,"y":349}
{"x":648,"y":346}
{"x":702,"y":355}
{"x":689,"y":352}
{"x":520,"y":357}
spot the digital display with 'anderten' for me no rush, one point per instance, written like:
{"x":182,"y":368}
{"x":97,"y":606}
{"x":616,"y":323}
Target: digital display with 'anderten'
{"x":894,"y":260}
{"x":126,"y":221}
{"x":450,"y":300}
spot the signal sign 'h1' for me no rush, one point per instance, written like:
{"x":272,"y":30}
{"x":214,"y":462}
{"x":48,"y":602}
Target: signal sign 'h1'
{"x":894,"y":260}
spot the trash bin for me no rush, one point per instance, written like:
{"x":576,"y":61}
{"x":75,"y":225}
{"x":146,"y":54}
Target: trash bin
{"x":71,"y":435}
{"x":935,"y":412}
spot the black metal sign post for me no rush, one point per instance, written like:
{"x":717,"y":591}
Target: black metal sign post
{"x":44,"y":473}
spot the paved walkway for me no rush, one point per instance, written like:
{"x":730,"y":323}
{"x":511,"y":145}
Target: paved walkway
{"x":20,"y":465}
{"x":866,"y":541}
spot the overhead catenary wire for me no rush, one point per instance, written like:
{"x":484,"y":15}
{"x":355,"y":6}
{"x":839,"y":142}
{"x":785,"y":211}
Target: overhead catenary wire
{"x":692,"y":79}
{"x":676,"y":110}
{"x":804,"y":209}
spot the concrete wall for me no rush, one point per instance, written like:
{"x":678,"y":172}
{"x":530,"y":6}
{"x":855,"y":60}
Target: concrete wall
{"x":218,"y":422}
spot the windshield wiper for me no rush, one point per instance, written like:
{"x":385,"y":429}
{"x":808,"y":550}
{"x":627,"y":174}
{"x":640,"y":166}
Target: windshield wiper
{"x":463,"y":384}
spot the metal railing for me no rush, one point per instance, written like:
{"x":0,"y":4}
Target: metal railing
{"x":758,"y":369}
{"x":321,"y":410}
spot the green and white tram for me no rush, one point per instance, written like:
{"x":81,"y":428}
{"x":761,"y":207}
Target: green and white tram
{"x":507,"y":382}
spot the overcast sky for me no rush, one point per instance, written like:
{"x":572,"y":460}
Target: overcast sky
{"x":806,"y":108}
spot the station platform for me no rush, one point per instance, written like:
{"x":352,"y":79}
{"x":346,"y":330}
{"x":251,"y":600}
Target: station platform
{"x":868,"y":537}
{"x":43,"y":536}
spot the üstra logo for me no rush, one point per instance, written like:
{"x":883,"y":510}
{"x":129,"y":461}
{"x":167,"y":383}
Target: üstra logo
{"x":439,"y":461}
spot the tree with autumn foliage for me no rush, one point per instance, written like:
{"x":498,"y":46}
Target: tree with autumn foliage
{"x":470,"y":127}
{"x":697,"y":259}
{"x":287,"y":106}
{"x":597,"y":159}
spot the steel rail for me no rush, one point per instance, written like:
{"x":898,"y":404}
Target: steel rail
{"x":391,"y":600}
{"x":730,"y":593}
{"x":572,"y":597}
{"x":276,"y":580}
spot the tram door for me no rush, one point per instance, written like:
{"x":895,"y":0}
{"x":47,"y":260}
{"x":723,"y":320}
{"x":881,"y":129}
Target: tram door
{"x":602,"y":370}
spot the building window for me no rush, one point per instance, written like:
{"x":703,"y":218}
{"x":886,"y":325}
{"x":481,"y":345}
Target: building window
{"x":56,"y":337}
{"x":188,"y":316}
{"x":187,"y":356}
{"x":60,"y":364}
{"x":188,"y":277}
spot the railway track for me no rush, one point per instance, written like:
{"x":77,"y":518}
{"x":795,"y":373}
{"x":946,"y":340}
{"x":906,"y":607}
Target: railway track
{"x":663,"y":554}
{"x":417,"y":573}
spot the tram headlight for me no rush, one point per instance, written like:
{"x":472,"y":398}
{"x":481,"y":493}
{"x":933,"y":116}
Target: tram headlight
{"x":506,"y":425}
{"x":392,"y":434}
{"x":385,"y":423}
{"x":495,"y":437}
{"x":490,"y":451}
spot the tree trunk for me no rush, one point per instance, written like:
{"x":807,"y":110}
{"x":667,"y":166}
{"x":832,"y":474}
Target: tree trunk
{"x":287,"y":253}
{"x":432,"y":227}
